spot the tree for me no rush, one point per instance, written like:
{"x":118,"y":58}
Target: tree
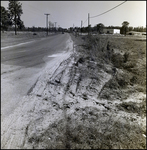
{"x":124,"y":28}
{"x":130,"y":28}
{"x":5,"y":19}
{"x":20,"y":23}
{"x":100,"y":27}
{"x":15,"y":11}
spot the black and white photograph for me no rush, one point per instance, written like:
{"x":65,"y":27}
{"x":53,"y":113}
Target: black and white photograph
{"x":73,"y":74}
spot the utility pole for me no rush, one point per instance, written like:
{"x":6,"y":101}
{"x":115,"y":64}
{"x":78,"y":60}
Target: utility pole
{"x":73,"y":29}
{"x":81,"y":26}
{"x":58,"y":28}
{"x":47,"y":22}
{"x":55,"y":26}
{"x":88,"y":23}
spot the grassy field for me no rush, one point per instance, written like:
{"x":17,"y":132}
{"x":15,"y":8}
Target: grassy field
{"x":9,"y":38}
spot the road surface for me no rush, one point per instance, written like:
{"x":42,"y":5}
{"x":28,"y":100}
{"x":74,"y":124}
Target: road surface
{"x":21,"y":65}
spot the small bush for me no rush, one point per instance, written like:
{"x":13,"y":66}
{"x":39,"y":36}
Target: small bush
{"x":117,"y":59}
{"x":129,"y":65}
{"x":133,"y":79}
{"x":122,"y":83}
{"x":126,"y":56}
{"x":132,"y":107}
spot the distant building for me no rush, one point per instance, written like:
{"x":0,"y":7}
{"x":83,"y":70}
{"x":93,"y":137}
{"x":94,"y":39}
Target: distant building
{"x":111,"y":31}
{"x":136,"y":33}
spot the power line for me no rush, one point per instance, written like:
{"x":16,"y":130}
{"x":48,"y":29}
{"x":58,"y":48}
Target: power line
{"x":33,"y":10}
{"x":33,"y":7}
{"x":108,"y":10}
{"x":85,"y":21}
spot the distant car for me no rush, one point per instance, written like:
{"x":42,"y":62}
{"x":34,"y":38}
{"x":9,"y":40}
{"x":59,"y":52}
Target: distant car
{"x":62,"y":32}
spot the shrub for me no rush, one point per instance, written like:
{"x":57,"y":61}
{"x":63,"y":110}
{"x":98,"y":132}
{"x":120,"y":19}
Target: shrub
{"x":126,"y":56}
{"x":117,"y":59}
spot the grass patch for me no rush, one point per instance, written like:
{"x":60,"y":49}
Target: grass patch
{"x":90,"y":129}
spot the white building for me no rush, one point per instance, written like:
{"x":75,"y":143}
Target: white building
{"x":111,"y":31}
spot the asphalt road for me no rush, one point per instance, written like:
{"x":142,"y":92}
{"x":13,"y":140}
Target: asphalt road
{"x":21,"y":65}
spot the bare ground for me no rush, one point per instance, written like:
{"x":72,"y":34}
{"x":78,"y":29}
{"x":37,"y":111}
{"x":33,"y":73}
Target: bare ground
{"x":92,"y":100}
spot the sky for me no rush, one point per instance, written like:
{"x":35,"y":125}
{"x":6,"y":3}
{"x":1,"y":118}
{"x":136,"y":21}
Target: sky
{"x":71,"y":13}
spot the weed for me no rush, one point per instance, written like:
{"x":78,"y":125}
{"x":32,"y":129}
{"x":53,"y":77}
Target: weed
{"x":126,"y":56}
{"x":132,"y":107}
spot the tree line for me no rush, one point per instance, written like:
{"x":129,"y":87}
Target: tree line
{"x":10,"y":20}
{"x":99,"y":28}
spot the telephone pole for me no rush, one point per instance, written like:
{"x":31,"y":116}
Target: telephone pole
{"x":55,"y":26}
{"x":73,"y":29}
{"x":88,"y":23}
{"x":58,"y":28}
{"x":81,"y":26}
{"x":47,"y":22}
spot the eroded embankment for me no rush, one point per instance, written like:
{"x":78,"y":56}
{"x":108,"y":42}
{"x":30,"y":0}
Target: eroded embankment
{"x":78,"y":106}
